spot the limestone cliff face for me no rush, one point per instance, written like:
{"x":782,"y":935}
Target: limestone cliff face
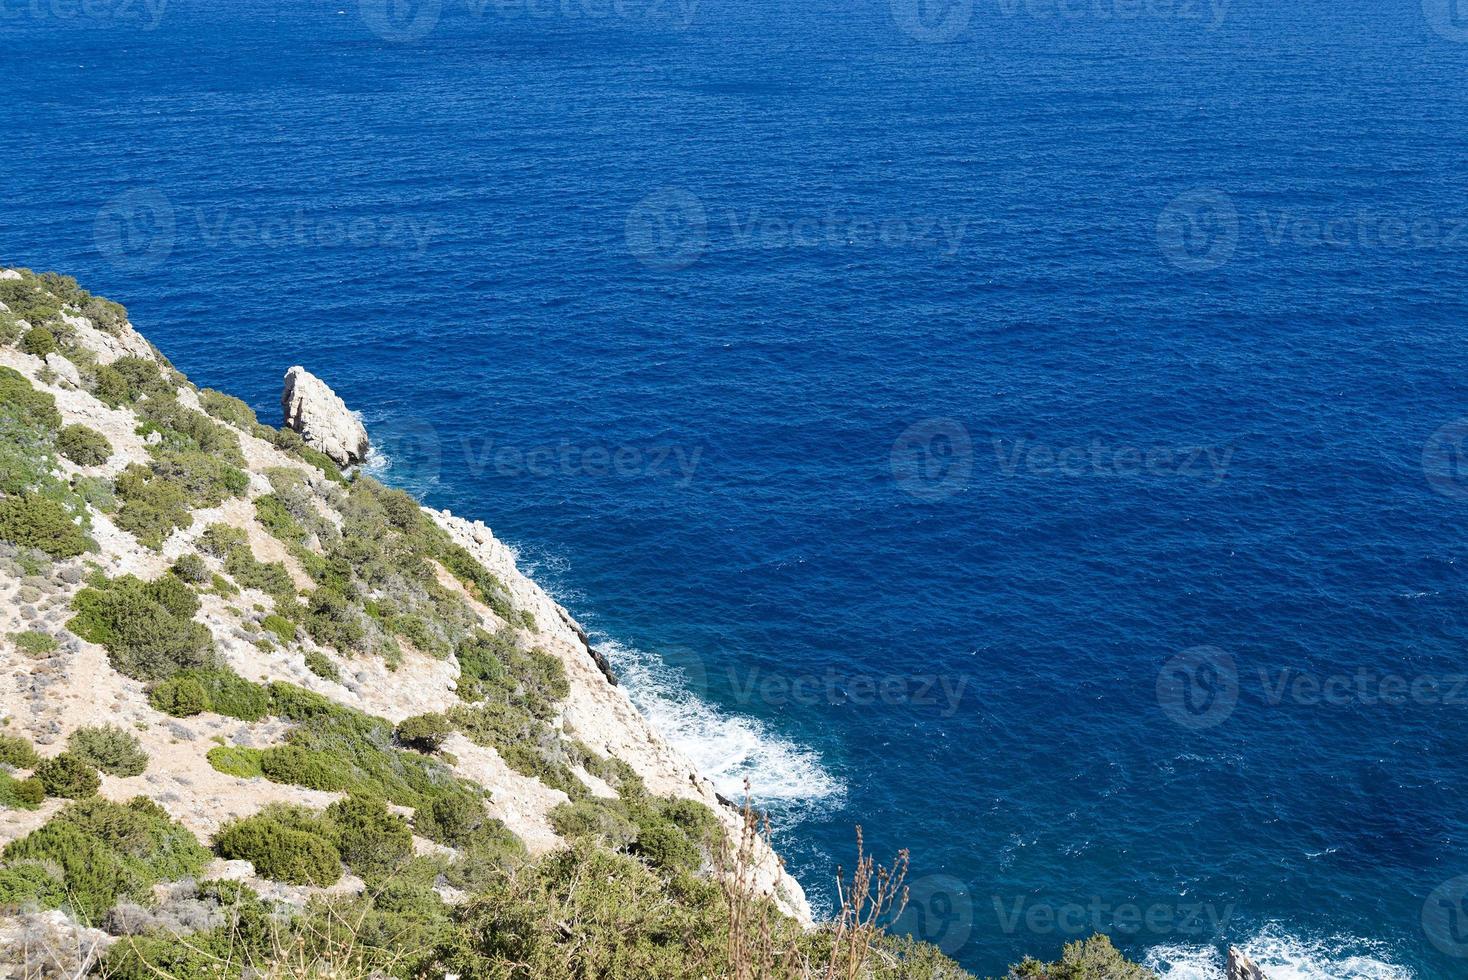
{"x":47,"y":693}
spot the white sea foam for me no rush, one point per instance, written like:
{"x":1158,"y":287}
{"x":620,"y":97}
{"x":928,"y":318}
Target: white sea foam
{"x":1282,"y":956}
{"x":784,"y":777}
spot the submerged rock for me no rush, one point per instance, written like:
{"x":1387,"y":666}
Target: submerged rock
{"x":315,"y":411}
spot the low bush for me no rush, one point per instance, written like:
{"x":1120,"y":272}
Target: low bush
{"x":32,"y":408}
{"x":83,"y":446}
{"x":275,"y":843}
{"x":67,"y":776}
{"x":192,"y":569}
{"x":371,"y":840}
{"x":107,"y":850}
{"x":20,"y":794}
{"x":452,"y":819}
{"x":219,"y":690}
{"x":426,"y":732}
{"x":127,"y":379}
{"x":28,"y":885}
{"x":18,"y":752}
{"x":179,"y":696}
{"x":228,"y":408}
{"x":45,"y":523}
{"x":110,"y":749}
{"x":34,"y":643}
{"x":147,"y":627}
{"x":322,"y":666}
{"x":39,"y":341}
{"x":236,"y":761}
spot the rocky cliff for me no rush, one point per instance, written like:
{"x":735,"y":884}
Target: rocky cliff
{"x":208,"y":629}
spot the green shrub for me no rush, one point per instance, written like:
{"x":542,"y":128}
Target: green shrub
{"x":39,"y":341}
{"x":147,"y":627}
{"x":272,"y":841}
{"x":32,"y":408}
{"x":128,"y":379}
{"x":179,"y":696}
{"x":29,"y":884}
{"x":451,"y":819}
{"x":34,"y":643}
{"x":235,"y":761}
{"x":333,"y":621}
{"x":67,"y":776}
{"x":20,"y":794}
{"x":150,"y":508}
{"x":371,"y":840}
{"x":107,"y":316}
{"x":34,"y":521}
{"x":228,"y":408}
{"x":107,"y":850}
{"x":219,"y":690}
{"x":631,"y":924}
{"x":322,"y":666}
{"x":230,"y":694}
{"x":18,"y":752}
{"x":192,"y":569}
{"x":110,"y":749}
{"x":1087,"y":959}
{"x":426,"y":732}
{"x":83,"y":446}
{"x":98,"y":491}
{"x":605,"y":821}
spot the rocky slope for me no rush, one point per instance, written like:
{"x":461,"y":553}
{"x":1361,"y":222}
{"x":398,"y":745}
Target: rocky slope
{"x":266,"y":549}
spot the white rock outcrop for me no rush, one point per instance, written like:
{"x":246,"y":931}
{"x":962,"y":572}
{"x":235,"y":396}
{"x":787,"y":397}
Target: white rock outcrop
{"x":311,"y":408}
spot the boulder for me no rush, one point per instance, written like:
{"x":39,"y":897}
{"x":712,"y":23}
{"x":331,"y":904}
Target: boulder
{"x":311,"y":408}
{"x":64,"y":370}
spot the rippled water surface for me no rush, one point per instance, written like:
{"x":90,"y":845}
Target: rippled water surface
{"x":1024,"y":429}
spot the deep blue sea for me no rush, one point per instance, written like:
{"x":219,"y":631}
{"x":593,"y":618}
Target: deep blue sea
{"x":1029,"y":429}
